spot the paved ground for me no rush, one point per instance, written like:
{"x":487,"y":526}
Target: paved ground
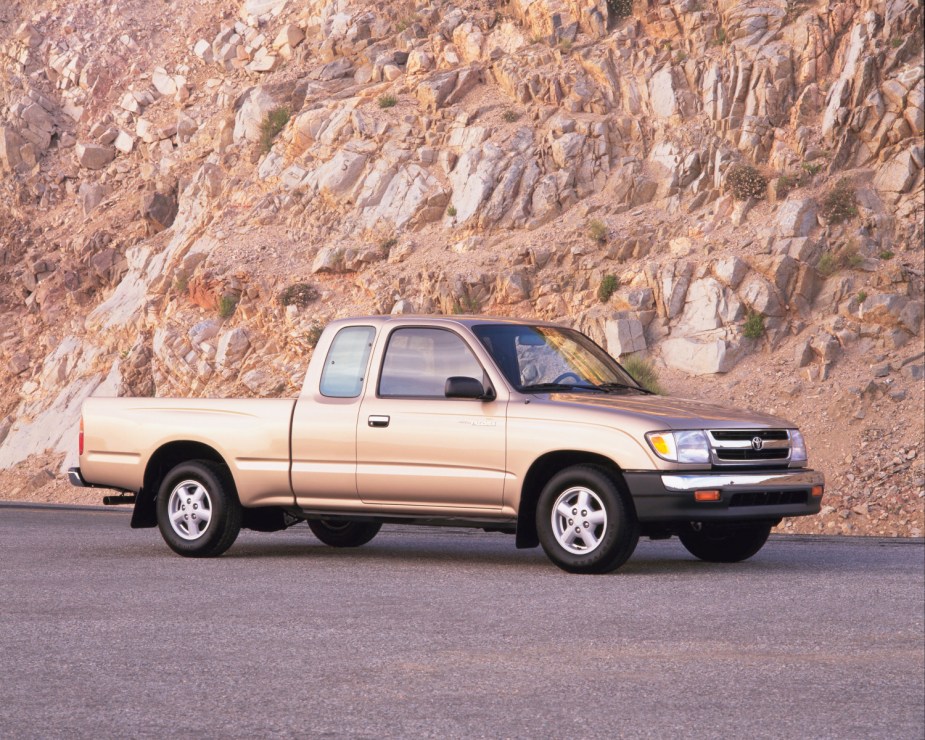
{"x":449,"y":633}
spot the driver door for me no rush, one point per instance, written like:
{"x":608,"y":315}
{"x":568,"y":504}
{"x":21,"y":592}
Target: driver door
{"x":417,"y":447}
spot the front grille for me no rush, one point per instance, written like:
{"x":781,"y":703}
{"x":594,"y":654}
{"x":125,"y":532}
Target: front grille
{"x":741,"y":455}
{"x":769,"y":498}
{"x":737,"y":446}
{"x":745,"y":435}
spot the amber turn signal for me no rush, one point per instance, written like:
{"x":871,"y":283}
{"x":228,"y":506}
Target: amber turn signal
{"x":706,"y":495}
{"x":817,"y":491}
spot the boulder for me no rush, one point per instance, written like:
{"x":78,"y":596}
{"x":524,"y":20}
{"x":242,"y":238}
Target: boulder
{"x":696,"y":357}
{"x":730,"y":271}
{"x":624,"y":336}
{"x":158,"y":210}
{"x":433,"y":93}
{"x":11,"y":144}
{"x":94,"y":156}
{"x":340,"y":175}
{"x":232,"y":347}
{"x":473,"y":179}
{"x":898,"y":175}
{"x":203,"y":50}
{"x":796,"y":218}
{"x":124,"y":142}
{"x":262,"y":7}
{"x":702,"y":307}
{"x":328,"y":259}
{"x":90,"y":195}
{"x":662,"y":93}
{"x":163,"y":82}
{"x":252,"y":107}
{"x":203,"y":331}
{"x":289,"y":35}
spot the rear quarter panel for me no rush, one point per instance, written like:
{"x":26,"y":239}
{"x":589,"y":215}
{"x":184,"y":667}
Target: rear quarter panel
{"x":251,"y":435}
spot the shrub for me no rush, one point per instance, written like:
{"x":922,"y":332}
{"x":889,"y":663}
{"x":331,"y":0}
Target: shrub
{"x":270,"y":127}
{"x":565,"y":45}
{"x":840,"y":203}
{"x":181,"y":283}
{"x":754,"y":325}
{"x":607,"y":288}
{"x":811,"y":168}
{"x":896,"y":43}
{"x":746,"y":182}
{"x":451,"y":211}
{"x":721,"y":36}
{"x":620,"y":8}
{"x":226,"y":305}
{"x":851,"y":259}
{"x":862,"y":296}
{"x":467,"y":305}
{"x":597,"y":230}
{"x":510,"y":116}
{"x":827,"y":264}
{"x":643,"y":372}
{"x":313,"y":334}
{"x":386,"y":244}
{"x":785,"y":183}
{"x":886,"y":255}
{"x":387,"y":101}
{"x":298,"y":294}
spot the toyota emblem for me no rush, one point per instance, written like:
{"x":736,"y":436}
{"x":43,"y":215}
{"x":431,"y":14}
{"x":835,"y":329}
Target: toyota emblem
{"x":757,"y":443}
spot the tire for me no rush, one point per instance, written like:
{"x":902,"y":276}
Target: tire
{"x":343,"y":534}
{"x":189,"y":491}
{"x":724,"y":545}
{"x":584,"y":523}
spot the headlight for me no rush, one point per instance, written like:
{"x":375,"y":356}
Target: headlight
{"x":797,"y":446}
{"x":685,"y":447}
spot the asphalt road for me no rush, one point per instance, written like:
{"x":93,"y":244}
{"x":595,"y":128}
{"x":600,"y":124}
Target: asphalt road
{"x":449,"y":633}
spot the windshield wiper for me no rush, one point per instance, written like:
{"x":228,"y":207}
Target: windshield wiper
{"x":563,"y":387}
{"x":624,"y":386}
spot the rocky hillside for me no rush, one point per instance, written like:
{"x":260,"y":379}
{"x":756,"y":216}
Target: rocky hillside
{"x":733,"y":190}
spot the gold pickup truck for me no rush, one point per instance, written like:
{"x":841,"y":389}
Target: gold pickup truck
{"x":522,"y":427}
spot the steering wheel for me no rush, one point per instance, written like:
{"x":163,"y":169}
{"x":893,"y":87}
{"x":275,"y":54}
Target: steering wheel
{"x":569,"y":374}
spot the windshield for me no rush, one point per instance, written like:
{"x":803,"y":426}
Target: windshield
{"x":549,"y":358}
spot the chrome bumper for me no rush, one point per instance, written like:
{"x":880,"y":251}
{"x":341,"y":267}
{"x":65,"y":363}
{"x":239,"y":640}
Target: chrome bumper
{"x":745,"y":481}
{"x":76,"y":479}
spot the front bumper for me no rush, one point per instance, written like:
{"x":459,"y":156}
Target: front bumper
{"x":743,"y":495}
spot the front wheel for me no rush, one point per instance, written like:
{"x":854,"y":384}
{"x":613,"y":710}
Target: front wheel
{"x":584,"y":523}
{"x":198,"y":511}
{"x":723,"y":545}
{"x":343,"y":534}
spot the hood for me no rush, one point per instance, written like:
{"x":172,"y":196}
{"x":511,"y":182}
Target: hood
{"x":666,"y":412}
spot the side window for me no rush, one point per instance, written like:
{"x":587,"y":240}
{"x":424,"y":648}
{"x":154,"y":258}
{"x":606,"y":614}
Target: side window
{"x":345,"y":365}
{"x":418,"y":362}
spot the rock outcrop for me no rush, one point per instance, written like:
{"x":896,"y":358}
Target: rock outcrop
{"x":748,"y":176}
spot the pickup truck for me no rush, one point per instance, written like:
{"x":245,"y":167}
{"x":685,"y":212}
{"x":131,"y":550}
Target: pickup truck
{"x":522,"y":427}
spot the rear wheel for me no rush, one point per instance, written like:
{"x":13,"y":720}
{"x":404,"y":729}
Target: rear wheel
{"x":722,"y":544}
{"x":198,"y":512}
{"x":343,"y":534}
{"x":584,"y":523}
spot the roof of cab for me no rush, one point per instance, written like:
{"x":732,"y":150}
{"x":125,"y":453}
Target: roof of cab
{"x":436,"y":320}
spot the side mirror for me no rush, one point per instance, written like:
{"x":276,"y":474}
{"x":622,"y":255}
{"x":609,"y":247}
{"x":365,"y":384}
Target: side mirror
{"x":459,"y":386}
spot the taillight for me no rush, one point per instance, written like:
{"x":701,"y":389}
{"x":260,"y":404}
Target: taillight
{"x":80,"y":438}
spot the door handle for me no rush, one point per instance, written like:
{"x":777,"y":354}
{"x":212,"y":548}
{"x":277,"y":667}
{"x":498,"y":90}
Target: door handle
{"x":378,"y":421}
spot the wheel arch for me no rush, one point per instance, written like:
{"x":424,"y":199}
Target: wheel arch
{"x":164,"y":459}
{"x":544,"y":468}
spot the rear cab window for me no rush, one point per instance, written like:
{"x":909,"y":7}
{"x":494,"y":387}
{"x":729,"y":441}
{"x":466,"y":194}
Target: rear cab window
{"x":347,"y":361}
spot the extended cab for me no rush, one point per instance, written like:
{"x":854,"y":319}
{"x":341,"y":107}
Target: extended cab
{"x":515,"y":426}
